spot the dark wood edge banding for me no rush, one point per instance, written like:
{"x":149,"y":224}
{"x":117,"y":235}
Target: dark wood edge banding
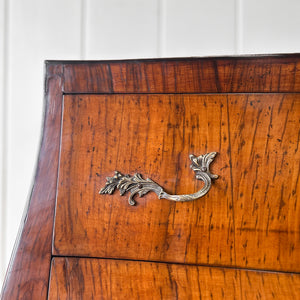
{"x":27,"y":276}
{"x":250,"y":74}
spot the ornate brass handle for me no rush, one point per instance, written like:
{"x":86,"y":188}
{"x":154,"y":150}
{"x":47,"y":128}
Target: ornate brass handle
{"x":137,"y":185}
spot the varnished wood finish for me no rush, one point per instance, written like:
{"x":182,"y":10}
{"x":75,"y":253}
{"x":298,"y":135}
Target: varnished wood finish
{"x":28,"y":273}
{"x":73,"y":278}
{"x":264,"y":134}
{"x":250,"y":217}
{"x":152,"y":135}
{"x":193,"y":75}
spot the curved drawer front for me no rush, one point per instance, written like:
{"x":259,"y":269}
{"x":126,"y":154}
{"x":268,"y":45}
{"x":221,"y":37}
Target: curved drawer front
{"x":249,"y":218}
{"x":85,"y":278}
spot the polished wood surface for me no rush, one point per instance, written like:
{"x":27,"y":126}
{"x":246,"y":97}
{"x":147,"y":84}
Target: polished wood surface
{"x":148,"y":116}
{"x":28,"y":274}
{"x":265,"y":140}
{"x":249,"y":218}
{"x":152,"y":135}
{"x":271,"y":74}
{"x":73,"y":278}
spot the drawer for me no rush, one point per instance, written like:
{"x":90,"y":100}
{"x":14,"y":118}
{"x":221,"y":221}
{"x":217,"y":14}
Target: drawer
{"x":250,"y":216}
{"x":81,"y":278}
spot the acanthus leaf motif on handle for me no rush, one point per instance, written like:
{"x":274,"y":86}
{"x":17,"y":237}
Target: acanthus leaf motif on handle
{"x":136,"y":184}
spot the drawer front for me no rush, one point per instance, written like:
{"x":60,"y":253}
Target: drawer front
{"x":79,"y":278}
{"x":249,"y":218}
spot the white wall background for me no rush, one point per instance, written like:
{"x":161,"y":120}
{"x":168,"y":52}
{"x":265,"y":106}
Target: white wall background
{"x":34,"y":30}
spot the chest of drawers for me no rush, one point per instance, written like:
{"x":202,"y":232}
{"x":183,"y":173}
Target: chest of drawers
{"x":147,"y":117}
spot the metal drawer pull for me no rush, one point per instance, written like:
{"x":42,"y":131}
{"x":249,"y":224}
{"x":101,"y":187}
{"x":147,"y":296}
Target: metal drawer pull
{"x":137,"y":185}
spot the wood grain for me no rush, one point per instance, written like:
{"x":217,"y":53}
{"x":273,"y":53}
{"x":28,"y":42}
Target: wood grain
{"x":234,"y":225}
{"x":265,"y":134}
{"x":27,"y":276}
{"x":249,"y":219}
{"x":152,"y":135}
{"x":277,"y":73}
{"x":73,"y":278}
